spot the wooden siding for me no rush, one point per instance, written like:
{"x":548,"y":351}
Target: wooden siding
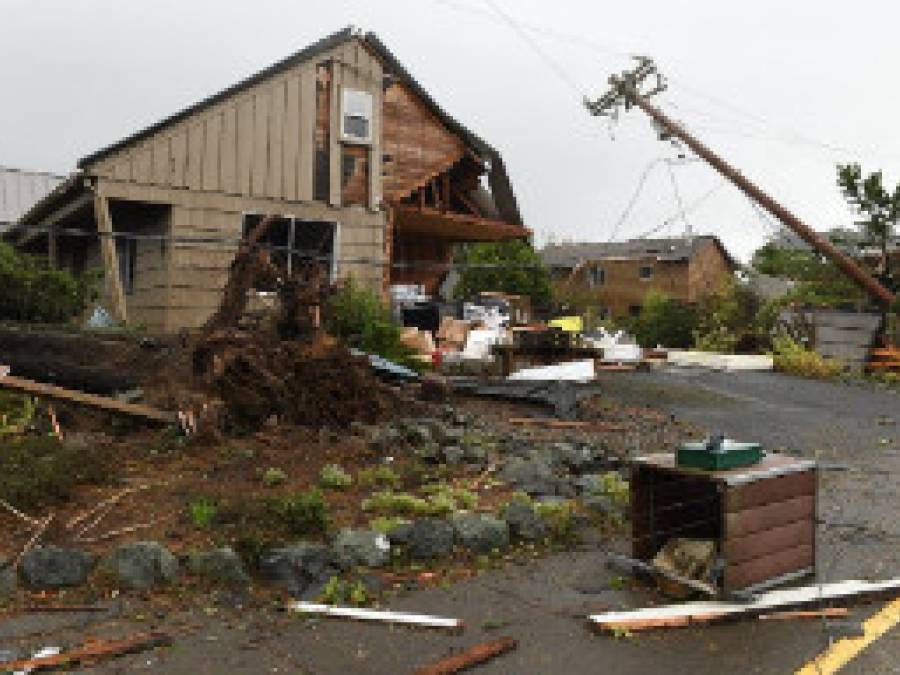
{"x":260,"y":142}
{"x":416,"y":145}
{"x":708,"y":271}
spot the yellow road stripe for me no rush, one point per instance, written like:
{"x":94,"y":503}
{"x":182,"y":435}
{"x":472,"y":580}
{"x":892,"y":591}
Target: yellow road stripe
{"x":846,"y":649}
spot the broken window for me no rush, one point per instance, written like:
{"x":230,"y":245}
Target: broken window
{"x":126,"y":252}
{"x":356,"y":116}
{"x":292,"y":242}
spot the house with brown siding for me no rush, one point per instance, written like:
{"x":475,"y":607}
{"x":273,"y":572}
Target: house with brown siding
{"x":362,"y":167}
{"x":617,"y":276}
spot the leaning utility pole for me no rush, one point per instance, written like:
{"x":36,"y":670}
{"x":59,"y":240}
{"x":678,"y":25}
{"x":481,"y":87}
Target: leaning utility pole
{"x":626,"y":90}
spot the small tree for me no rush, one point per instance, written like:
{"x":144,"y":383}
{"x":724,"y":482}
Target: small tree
{"x":879,"y":207}
{"x":508,"y":267}
{"x":664,"y":321}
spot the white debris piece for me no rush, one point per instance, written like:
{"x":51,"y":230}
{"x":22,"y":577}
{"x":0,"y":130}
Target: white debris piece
{"x":361,"y":614}
{"x":715,"y":361}
{"x":573,"y":371}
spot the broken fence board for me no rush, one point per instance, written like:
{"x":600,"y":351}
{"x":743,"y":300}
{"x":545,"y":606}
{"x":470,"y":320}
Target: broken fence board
{"x":90,"y":651}
{"x":470,"y":657}
{"x":704,"y":612}
{"x":55,"y":393}
{"x":360,"y":614}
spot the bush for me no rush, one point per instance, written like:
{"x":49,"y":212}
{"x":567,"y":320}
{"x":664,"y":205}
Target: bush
{"x":38,"y":470}
{"x":333,"y":477}
{"x":790,"y":357}
{"x":360,"y":319}
{"x":507,"y":267}
{"x":559,"y":518}
{"x":31,"y":290}
{"x":301,"y":513}
{"x":378,"y":476}
{"x":664,"y":321}
{"x":735,"y":320}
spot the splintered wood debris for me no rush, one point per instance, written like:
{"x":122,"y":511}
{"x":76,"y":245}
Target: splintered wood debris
{"x":359,"y":614}
{"x":473,"y":656}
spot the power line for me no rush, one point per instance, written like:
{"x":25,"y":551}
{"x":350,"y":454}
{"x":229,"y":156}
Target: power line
{"x":634,"y":197}
{"x":687,"y":226}
{"x":691,"y":207}
{"x":551,"y":63}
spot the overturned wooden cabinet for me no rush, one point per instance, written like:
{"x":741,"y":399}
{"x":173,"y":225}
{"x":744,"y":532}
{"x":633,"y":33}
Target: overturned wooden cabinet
{"x":762,"y":517}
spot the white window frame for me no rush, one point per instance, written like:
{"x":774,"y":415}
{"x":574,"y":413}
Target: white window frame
{"x":364,"y":101}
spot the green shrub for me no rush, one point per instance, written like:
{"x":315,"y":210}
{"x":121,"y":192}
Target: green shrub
{"x":384,"y":524}
{"x":202,"y":512}
{"x":301,"y":513}
{"x":16,"y":412}
{"x":31,"y":290}
{"x":378,"y":476}
{"x":790,"y":357}
{"x":664,"y":321}
{"x":333,"y":477}
{"x":735,"y":320}
{"x":559,"y":518}
{"x":441,"y":500}
{"x":273,"y":477}
{"x":38,"y":470}
{"x":340,"y":592}
{"x":360,"y":319}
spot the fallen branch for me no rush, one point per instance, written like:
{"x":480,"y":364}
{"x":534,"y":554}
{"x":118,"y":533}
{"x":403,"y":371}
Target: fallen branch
{"x":125,"y":530}
{"x":359,"y":614}
{"x":34,"y":522}
{"x":113,"y":499}
{"x":773,"y":602}
{"x":39,"y":532}
{"x":90,"y":651}
{"x":470,"y":657}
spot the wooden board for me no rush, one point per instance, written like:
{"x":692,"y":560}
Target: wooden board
{"x":55,"y":393}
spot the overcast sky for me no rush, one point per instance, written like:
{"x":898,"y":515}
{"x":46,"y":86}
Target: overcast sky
{"x":784,"y":90}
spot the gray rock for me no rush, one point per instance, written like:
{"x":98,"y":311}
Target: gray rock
{"x":141,"y":565}
{"x":301,"y":569}
{"x":383,"y":439}
{"x":419,"y":434}
{"x":9,"y":582}
{"x":399,"y":534}
{"x":361,"y":547}
{"x":450,"y":435}
{"x":429,"y":452}
{"x":221,"y":565}
{"x":476,"y":453}
{"x":55,"y":567}
{"x":575,"y":456}
{"x":532,"y":476}
{"x":524,"y":523}
{"x":430,"y":538}
{"x":480,"y":532}
{"x":453,"y":454}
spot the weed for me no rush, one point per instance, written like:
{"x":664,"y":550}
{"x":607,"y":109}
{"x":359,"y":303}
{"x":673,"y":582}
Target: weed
{"x":301,"y":513}
{"x":559,"y":518}
{"x":202,"y":512}
{"x":273,"y":477}
{"x":795,"y":359}
{"x":16,"y":412}
{"x":340,"y":592}
{"x":333,"y":477}
{"x":612,"y":485}
{"x":378,"y":476}
{"x":391,"y":503}
{"x":385,"y":524}
{"x":617,"y":583}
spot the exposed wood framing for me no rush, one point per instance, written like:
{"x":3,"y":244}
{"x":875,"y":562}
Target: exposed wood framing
{"x":110,"y":258}
{"x":335,"y":137}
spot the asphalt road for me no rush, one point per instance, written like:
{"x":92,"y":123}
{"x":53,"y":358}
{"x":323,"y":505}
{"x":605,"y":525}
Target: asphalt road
{"x":851,"y":429}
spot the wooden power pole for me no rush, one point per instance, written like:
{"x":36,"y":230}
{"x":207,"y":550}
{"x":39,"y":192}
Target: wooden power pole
{"x":626,"y":90}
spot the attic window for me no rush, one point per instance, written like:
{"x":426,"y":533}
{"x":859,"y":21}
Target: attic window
{"x":356,"y":116}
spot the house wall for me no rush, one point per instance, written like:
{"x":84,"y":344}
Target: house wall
{"x":683,"y":280}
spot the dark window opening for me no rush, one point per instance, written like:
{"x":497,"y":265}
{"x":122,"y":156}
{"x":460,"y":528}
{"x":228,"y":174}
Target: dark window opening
{"x":290,"y":243}
{"x":646,"y":272}
{"x":126,"y":252}
{"x":357,"y":127}
{"x":597,"y":276}
{"x":634,"y":310}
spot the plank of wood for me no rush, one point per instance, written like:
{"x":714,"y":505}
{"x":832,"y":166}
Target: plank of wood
{"x":548,"y":422}
{"x":110,"y":258}
{"x":55,"y":393}
{"x":361,"y":614}
{"x":473,"y":656}
{"x":769,"y":516}
{"x":90,"y":651}
{"x":705,"y":612}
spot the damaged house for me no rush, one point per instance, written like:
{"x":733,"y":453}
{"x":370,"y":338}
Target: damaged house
{"x":368,"y":175}
{"x":619,"y":275}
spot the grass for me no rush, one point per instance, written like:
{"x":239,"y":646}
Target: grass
{"x":333,"y":477}
{"x":202,"y":512}
{"x":378,"y":476}
{"x":440,"y":500}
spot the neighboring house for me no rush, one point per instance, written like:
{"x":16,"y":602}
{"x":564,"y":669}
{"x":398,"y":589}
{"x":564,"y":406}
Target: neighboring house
{"x":370,"y":175}
{"x":20,"y":190}
{"x":620,"y":274}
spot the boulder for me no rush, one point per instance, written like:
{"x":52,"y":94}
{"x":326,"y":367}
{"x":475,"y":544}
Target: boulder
{"x":361,"y":547}
{"x":480,"y":532}
{"x":524,"y":522}
{"x":48,"y":567}
{"x":532,"y":476}
{"x":577,"y":457}
{"x":301,"y":569}
{"x":430,"y":538}
{"x":141,"y":565}
{"x":221,"y":565}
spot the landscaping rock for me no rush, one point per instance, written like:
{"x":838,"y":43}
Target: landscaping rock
{"x":55,"y":567}
{"x":453,"y":454}
{"x":533,"y":476}
{"x":575,"y":456}
{"x":429,"y":452}
{"x":383,"y":439}
{"x":480,"y":532}
{"x":301,"y":569}
{"x":361,"y":547}
{"x":476,"y":453}
{"x":399,"y":534}
{"x":430,"y":538}
{"x":450,"y":435}
{"x":221,"y":565}
{"x":524,"y":523}
{"x":141,"y":565}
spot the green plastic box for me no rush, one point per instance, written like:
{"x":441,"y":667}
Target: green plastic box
{"x":718,"y":453}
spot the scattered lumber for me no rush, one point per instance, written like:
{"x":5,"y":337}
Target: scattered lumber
{"x":473,"y":656}
{"x":360,"y":614}
{"x":91,"y":651}
{"x":549,"y":422}
{"x":707,"y":612}
{"x":52,"y":392}
{"x":824,"y":613}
